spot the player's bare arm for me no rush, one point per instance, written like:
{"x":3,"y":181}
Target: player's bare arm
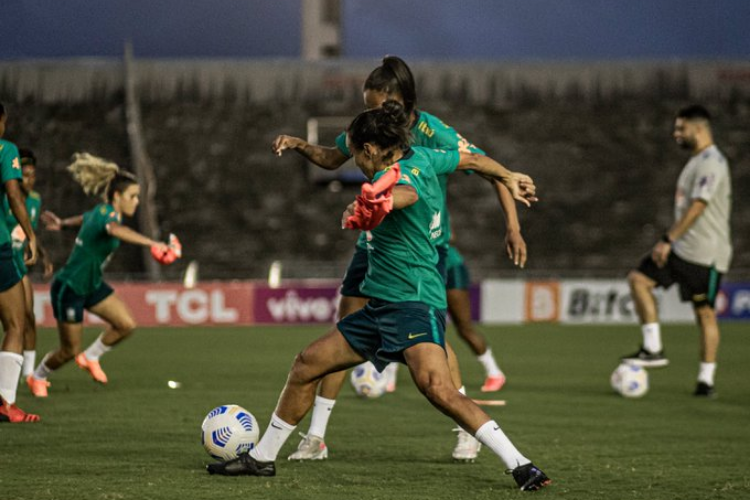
{"x":17,"y":204}
{"x":515,"y":245}
{"x":54,"y":223}
{"x":124,"y":233}
{"x":662,"y":248}
{"x":404,"y":196}
{"x":521,"y":186}
{"x":324,"y":157}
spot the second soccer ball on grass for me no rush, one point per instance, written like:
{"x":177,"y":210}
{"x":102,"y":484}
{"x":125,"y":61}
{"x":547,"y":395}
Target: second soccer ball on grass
{"x":367,"y":381}
{"x":630,"y":381}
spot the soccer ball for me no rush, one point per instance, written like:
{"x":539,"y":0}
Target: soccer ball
{"x":229,"y":430}
{"x":367,"y":381}
{"x":629,"y":380}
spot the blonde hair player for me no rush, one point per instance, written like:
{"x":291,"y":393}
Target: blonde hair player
{"x":79,"y":284}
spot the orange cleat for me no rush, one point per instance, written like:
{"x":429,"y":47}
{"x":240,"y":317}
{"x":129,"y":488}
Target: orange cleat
{"x":38,"y":387}
{"x":14,"y":415}
{"x":93,"y":367}
{"x":494,"y":383}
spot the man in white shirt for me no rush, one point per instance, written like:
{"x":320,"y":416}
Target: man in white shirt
{"x":695,"y":252}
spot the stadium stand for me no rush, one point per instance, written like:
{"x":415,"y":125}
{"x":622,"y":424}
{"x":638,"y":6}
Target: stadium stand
{"x":604,"y":162}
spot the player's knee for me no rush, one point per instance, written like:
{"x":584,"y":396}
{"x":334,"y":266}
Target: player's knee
{"x":637,"y":280}
{"x":705,"y":312}
{"x":438,"y":391}
{"x":126,"y":327}
{"x":302,"y":367}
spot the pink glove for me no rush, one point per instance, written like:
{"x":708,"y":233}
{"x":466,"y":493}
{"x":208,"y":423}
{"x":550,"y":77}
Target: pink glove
{"x":173,"y":252}
{"x":375,"y":202}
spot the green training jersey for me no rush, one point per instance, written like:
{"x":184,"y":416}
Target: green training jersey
{"x":430,"y":132}
{"x":93,"y":248}
{"x":10,"y":168}
{"x":401,"y":253}
{"x":18,"y":236}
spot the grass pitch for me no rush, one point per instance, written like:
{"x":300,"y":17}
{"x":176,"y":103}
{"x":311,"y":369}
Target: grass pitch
{"x":138,"y":439}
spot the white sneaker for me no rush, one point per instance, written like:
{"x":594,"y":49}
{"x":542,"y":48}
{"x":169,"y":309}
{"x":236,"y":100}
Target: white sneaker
{"x":467,"y":448}
{"x":310,"y":448}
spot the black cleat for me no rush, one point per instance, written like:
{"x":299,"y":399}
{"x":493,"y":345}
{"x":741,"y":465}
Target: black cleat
{"x":529,"y":478}
{"x":243,"y":465}
{"x":704,"y":390}
{"x":646,"y":359}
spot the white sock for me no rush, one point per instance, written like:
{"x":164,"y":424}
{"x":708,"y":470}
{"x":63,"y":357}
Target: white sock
{"x":97,"y":349}
{"x":391,"y":371}
{"x":29,"y":360}
{"x":493,"y":437}
{"x":271,"y":442}
{"x":706,"y":373}
{"x":321,"y":413}
{"x":462,"y":390}
{"x":43,"y":371}
{"x":490,"y":365}
{"x":10,"y":372}
{"x":651,"y":337}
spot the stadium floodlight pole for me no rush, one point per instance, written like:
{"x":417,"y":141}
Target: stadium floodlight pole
{"x":147,"y":216}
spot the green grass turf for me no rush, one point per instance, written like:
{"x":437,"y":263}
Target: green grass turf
{"x":138,"y":439}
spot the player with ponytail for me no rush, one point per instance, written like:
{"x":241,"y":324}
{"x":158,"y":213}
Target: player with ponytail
{"x":404,"y":319}
{"x":79,"y":284}
{"x":393,"y":80}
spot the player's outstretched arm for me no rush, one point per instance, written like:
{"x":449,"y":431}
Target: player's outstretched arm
{"x":521,"y":186}
{"x":324,"y":157}
{"x":124,"y":233}
{"x":54,"y":223}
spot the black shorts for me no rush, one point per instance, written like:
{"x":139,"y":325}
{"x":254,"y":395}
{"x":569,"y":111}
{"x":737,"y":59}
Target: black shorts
{"x":10,"y":274}
{"x":68,"y":306}
{"x":698,"y":284}
{"x":355,"y":274}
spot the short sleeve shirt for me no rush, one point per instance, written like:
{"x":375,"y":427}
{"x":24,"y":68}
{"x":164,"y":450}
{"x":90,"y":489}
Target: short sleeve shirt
{"x":431,"y":132}
{"x":93,"y":248}
{"x":707,"y":242}
{"x":402,"y":257}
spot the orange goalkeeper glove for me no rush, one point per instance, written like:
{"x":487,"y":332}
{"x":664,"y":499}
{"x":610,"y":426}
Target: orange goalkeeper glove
{"x":375,"y":202}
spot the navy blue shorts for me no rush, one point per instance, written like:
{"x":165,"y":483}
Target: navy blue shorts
{"x":698,"y":284}
{"x":382,"y":331}
{"x":355,"y":274}
{"x":68,"y":306}
{"x":9,"y":272}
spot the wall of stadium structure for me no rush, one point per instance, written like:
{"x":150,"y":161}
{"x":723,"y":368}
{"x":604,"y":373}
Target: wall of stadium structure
{"x":292,"y":81}
{"x":314,"y":303}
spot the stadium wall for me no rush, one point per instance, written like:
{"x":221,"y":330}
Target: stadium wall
{"x":287,"y":81}
{"x":314,"y":303}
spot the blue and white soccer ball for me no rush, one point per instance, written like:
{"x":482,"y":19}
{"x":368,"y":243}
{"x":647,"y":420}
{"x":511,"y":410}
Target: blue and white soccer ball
{"x":367,"y":381}
{"x":229,"y":430}
{"x":629,"y":380}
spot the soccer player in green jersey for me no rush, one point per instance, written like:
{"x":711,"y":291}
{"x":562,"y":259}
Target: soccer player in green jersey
{"x":33,"y":208}
{"x":11,"y":289}
{"x":394,"y":80}
{"x":404,"y":320}
{"x":79,"y":284}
